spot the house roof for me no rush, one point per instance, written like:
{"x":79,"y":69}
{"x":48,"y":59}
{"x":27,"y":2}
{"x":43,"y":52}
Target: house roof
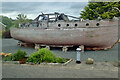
{"x":2,"y":24}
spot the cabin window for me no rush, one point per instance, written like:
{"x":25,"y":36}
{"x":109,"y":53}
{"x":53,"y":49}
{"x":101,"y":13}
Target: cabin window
{"x":67,"y":25}
{"x":76,"y":25}
{"x":59,"y":25}
{"x":97,"y":24}
{"x":87,"y":24}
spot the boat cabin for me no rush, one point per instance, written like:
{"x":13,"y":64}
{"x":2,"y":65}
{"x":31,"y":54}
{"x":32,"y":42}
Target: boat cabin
{"x":63,"y":21}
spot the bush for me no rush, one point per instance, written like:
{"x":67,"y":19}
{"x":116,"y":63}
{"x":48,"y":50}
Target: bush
{"x":19,"y":55}
{"x":35,"y":58}
{"x":60,"y":60}
{"x":47,"y":55}
{"x":7,"y":58}
{"x":44,"y":55}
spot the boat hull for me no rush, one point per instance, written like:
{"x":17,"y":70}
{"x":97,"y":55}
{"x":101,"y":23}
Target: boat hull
{"x":102,"y":37}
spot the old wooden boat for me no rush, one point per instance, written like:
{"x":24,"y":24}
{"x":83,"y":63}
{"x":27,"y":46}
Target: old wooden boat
{"x":57,"y":29}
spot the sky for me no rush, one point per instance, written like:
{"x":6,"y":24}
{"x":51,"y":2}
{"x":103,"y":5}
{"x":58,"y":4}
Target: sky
{"x":33,"y":9}
{"x":45,"y":0}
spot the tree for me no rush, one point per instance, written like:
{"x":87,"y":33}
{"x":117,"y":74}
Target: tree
{"x":21,"y":18}
{"x":7,"y":21}
{"x":105,"y":10}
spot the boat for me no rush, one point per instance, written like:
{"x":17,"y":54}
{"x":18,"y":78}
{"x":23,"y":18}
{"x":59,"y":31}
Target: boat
{"x":59,"y":29}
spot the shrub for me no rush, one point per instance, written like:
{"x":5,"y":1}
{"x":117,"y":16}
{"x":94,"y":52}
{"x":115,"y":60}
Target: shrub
{"x":7,"y":58}
{"x":44,"y":55}
{"x":60,"y":60}
{"x":35,"y":58}
{"x":19,"y":55}
{"x":47,"y":55}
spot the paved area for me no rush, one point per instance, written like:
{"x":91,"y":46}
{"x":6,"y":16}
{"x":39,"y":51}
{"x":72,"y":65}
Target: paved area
{"x":102,"y":68}
{"x":10,"y":46}
{"x":72,"y":70}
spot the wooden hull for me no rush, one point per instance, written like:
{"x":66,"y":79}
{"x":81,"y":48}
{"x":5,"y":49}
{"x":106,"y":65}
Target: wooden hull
{"x":102,"y":37}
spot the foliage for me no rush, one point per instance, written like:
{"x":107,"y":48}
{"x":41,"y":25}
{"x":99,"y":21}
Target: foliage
{"x":19,"y":55}
{"x":35,"y":58}
{"x":44,"y":55}
{"x":60,"y":60}
{"x":1,"y":34}
{"x":7,"y":21}
{"x":7,"y":58}
{"x":21,"y":18}
{"x":41,"y":56}
{"x":105,"y":10}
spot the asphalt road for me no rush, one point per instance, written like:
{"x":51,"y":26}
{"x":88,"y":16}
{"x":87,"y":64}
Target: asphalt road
{"x":10,"y":46}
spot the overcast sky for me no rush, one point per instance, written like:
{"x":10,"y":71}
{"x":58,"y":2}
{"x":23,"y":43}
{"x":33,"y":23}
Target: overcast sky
{"x":45,"y":0}
{"x":33,"y":9}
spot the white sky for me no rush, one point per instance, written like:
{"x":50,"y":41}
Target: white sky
{"x":44,"y":0}
{"x":33,"y":9}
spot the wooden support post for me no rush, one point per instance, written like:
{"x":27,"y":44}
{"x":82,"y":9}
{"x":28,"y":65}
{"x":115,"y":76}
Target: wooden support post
{"x":105,"y":48}
{"x":19,"y":43}
{"x":82,"y":48}
{"x":47,"y":47}
{"x":37,"y":46}
{"x":25,"y":45}
{"x":65,"y":49}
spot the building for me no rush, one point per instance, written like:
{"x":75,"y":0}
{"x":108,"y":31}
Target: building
{"x":2,"y":26}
